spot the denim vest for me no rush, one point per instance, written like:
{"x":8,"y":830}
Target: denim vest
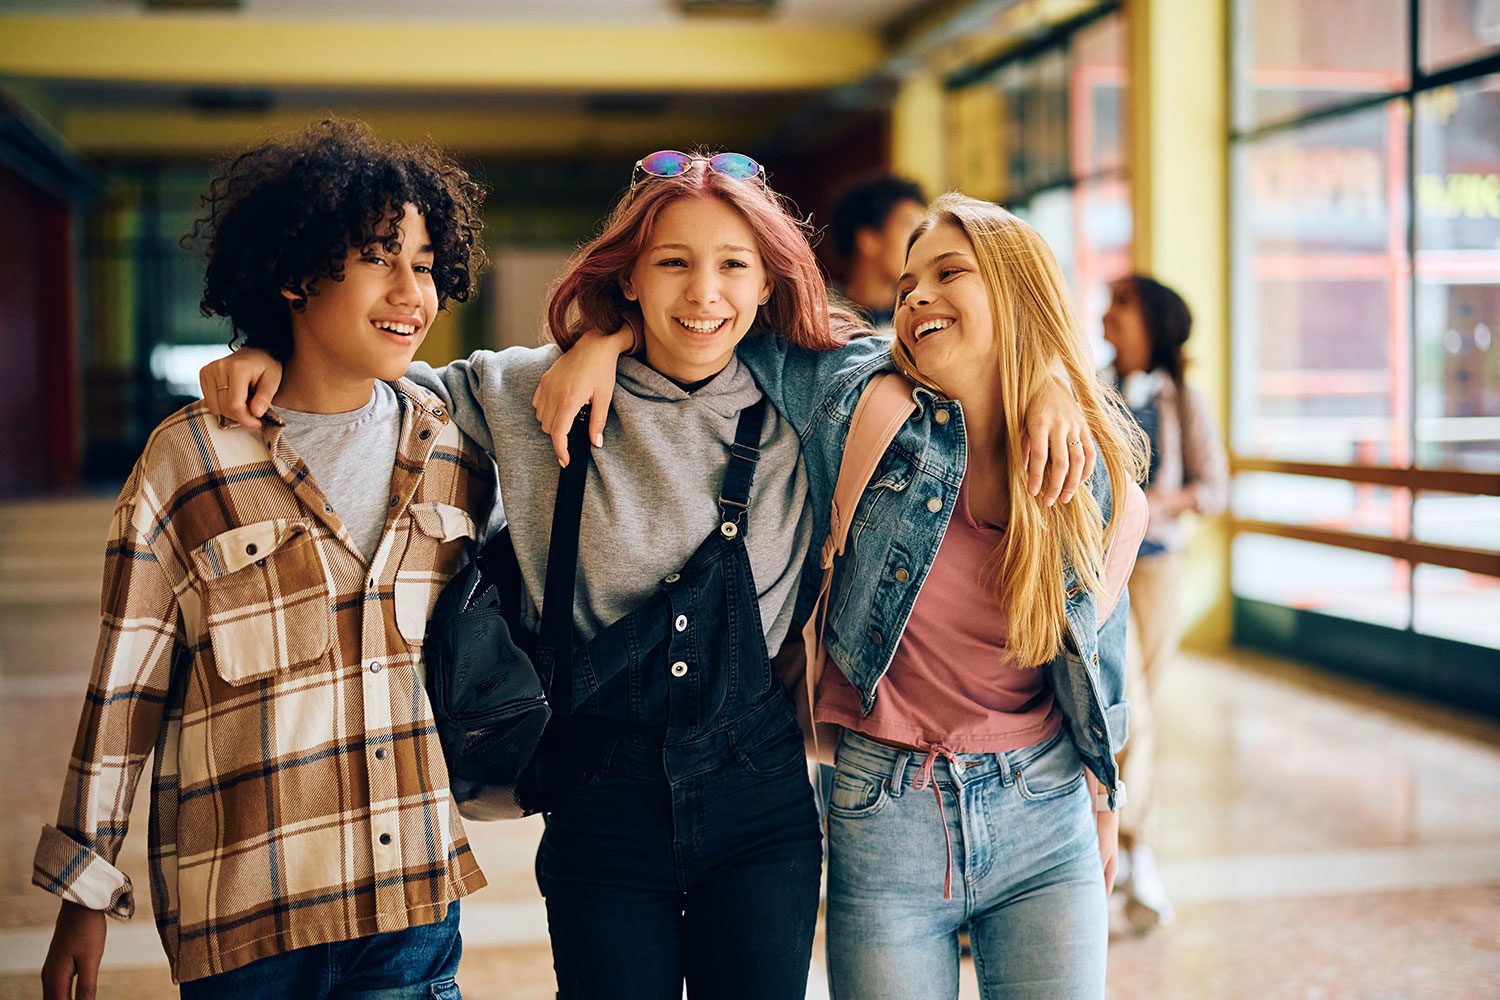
{"x":900,"y":522}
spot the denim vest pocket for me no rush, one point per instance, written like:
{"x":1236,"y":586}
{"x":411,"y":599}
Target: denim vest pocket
{"x":265,"y":599}
{"x":1054,"y":771}
{"x":437,"y":545}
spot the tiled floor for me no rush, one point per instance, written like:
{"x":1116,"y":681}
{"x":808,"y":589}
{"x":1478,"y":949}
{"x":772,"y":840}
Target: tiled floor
{"x":1320,"y":840}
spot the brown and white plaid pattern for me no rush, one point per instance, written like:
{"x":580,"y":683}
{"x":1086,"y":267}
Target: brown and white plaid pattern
{"x":300,"y":795}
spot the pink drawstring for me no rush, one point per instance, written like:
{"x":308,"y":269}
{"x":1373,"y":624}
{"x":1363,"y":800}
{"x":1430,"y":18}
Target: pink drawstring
{"x":923,"y":779}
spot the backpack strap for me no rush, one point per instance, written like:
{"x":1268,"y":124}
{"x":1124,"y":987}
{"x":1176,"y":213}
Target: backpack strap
{"x":883,"y":407}
{"x":555,"y":635}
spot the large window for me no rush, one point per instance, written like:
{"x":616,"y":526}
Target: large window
{"x":1042,"y":132}
{"x":1366,"y":309}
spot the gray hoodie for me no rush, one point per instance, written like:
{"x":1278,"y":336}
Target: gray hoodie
{"x":650,"y":496}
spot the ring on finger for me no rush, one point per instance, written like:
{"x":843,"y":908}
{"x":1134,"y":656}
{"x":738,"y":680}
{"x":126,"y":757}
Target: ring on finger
{"x":1075,"y":442}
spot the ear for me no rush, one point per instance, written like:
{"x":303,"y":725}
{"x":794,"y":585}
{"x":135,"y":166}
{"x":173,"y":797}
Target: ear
{"x":765,"y":293}
{"x":627,"y":289}
{"x":867,"y":242}
{"x":290,"y":295}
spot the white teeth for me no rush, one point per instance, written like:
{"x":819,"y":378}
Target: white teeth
{"x":405,"y":329}
{"x":931,"y":325}
{"x":702,"y":325}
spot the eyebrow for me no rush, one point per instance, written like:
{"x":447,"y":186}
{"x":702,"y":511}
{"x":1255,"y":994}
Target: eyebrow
{"x":733,"y":247}
{"x":906,"y":276}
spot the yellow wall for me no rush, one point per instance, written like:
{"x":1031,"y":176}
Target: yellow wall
{"x":1179,"y":194}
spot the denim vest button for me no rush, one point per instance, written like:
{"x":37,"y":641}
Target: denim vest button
{"x":672,"y":578}
{"x":876,"y":637}
{"x":935,"y":505}
{"x":679,"y":669}
{"x":941,"y":416}
{"x":729,"y":529}
{"x":681,"y":623}
{"x":902,"y":575}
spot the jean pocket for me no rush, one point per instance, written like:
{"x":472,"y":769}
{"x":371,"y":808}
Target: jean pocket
{"x":853,"y":795}
{"x":1054,"y":771}
{"x":445,"y":989}
{"x":779,"y":754}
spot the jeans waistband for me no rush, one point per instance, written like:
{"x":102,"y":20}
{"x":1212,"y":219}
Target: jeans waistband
{"x":639,"y":753}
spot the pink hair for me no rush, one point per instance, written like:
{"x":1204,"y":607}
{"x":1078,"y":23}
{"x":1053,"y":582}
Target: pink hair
{"x":588,"y":297}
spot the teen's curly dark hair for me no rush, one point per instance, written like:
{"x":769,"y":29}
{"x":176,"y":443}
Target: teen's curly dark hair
{"x":283,"y":215}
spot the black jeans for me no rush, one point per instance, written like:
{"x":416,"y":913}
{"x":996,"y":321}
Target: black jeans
{"x":709,"y":876}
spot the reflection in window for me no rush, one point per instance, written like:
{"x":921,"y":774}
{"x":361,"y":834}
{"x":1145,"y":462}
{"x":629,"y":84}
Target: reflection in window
{"x":1455,"y":31}
{"x":1458,"y":277}
{"x":1335,"y":581}
{"x":1294,"y":57}
{"x":1452,"y":604}
{"x":1320,"y":323}
{"x":1315,"y":502}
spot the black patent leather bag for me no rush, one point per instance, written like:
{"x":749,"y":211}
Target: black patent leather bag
{"x":487,"y":676}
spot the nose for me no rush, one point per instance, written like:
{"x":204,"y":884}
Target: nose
{"x":917,"y":297}
{"x":403,"y":290}
{"x":704,"y":287}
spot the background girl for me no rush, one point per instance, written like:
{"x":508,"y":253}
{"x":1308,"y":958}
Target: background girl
{"x":1148,"y":325}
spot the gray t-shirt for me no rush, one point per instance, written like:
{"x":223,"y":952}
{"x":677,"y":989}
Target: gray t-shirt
{"x":352,"y":457}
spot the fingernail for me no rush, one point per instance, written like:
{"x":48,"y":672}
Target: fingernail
{"x":598,"y":440}
{"x":1051,"y":501}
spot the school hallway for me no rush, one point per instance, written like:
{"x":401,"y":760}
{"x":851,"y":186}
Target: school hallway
{"x":1320,"y":840}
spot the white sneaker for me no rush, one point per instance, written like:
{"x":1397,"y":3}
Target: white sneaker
{"x":1146,"y":896}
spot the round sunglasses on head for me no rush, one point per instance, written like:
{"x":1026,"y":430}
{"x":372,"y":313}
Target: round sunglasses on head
{"x":671,"y":163}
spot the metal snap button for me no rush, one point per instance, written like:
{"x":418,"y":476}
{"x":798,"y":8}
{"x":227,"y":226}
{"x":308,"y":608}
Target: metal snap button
{"x":901,"y":575}
{"x":941,"y":416}
{"x":260,"y":562}
{"x":934,"y":505}
{"x":385,"y":839}
{"x":672,"y":578}
{"x":729,"y":529}
{"x":424,"y":435}
{"x":681,"y":623}
{"x":250,"y":550}
{"x":437,"y":411}
{"x":393,"y":501}
{"x":876,"y":637}
{"x":375,"y":667}
{"x":679,"y":669}
{"x":380,"y":754}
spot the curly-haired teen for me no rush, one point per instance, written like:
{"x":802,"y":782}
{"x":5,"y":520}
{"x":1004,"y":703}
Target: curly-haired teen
{"x":265,"y":596}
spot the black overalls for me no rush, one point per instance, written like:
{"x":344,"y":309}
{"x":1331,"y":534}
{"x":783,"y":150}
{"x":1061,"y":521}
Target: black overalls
{"x":683,"y":838}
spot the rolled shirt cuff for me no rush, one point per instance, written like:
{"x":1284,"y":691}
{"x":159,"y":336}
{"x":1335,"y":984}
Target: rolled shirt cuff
{"x":69,"y":869}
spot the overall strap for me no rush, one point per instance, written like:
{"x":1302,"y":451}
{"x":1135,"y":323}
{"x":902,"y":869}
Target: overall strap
{"x":734,"y":495}
{"x":883,"y":407}
{"x":555,"y":641}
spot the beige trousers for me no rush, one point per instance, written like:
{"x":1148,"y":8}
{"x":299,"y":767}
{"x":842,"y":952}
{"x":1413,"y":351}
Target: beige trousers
{"x":1151,"y":645}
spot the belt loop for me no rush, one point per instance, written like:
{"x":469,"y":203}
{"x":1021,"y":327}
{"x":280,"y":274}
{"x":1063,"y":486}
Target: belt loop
{"x":898,"y":773}
{"x":1005,"y":768}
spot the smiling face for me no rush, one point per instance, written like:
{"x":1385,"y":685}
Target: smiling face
{"x":699,"y":283}
{"x":943,"y":312}
{"x":364,"y":327}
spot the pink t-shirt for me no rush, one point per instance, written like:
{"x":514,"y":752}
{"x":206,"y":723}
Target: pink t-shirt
{"x":953,"y":681}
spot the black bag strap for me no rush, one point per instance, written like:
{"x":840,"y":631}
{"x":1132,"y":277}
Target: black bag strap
{"x":734,"y":495}
{"x":555,"y":645}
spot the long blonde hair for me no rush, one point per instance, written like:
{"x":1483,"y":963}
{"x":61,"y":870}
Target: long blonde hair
{"x":1035,"y":329}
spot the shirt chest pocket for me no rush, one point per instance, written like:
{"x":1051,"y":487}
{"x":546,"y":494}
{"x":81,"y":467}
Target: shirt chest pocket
{"x":265,"y":599}
{"x":439,"y":539}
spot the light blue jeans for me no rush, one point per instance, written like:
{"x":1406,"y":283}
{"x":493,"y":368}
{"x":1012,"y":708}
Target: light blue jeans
{"x":1025,"y":874}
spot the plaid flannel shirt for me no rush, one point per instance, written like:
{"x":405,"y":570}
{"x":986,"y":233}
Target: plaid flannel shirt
{"x":299,"y":791}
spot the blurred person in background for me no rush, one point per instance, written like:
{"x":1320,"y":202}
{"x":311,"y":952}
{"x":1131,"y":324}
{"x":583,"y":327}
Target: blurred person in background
{"x":873,"y":219}
{"x":1148,"y":324}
